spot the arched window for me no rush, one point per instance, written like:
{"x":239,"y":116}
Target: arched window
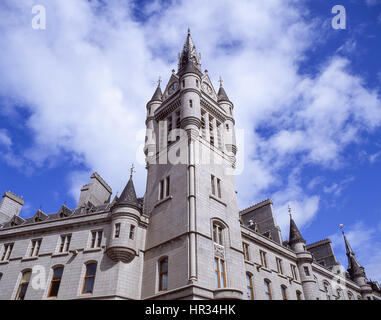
{"x":298,"y":295}
{"x":250,"y":286}
{"x":268,"y":294}
{"x":359,"y":298}
{"x":283,"y":289}
{"x":89,"y":280}
{"x":23,"y":286}
{"x":56,"y":281}
{"x":218,"y":233}
{"x":163,"y":274}
{"x":350,"y":295}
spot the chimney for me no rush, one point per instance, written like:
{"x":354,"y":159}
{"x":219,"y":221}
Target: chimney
{"x":10,"y":206}
{"x":97,"y":192}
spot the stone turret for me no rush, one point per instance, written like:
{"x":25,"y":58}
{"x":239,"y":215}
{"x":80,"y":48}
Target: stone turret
{"x":357,"y":272}
{"x":304,"y":261}
{"x":190,"y":85}
{"x":229,"y":131}
{"x":125,"y":216}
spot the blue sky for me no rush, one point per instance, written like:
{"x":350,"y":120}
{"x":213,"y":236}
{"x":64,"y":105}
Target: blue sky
{"x":307,"y":97}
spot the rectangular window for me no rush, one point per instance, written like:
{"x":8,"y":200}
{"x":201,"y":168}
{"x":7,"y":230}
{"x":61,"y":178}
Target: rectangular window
{"x":279,"y":265}
{"x":196,"y":83}
{"x":191,"y":103}
{"x":7,"y":250}
{"x":89,"y":280}
{"x":250,"y":287}
{"x":203,"y":124}
{"x":163,"y":274}
{"x":263,"y":258}
{"x":169,"y":129}
{"x":293,"y":272}
{"x":211,"y":130}
{"x":167,"y":185}
{"x":132,"y":232}
{"x":96,"y":239}
{"x":161,"y":190}
{"x":117,"y":230}
{"x":35,"y":248}
{"x":219,"y":135}
{"x":183,"y":83}
{"x":219,"y":188}
{"x":306,"y":271}
{"x":23,"y":286}
{"x":212,"y":184}
{"x":178,"y":120}
{"x":217,"y":234}
{"x":65,"y":243}
{"x":220,"y":273}
{"x":246,"y":251}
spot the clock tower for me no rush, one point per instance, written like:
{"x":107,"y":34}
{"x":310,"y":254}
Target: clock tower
{"x":193,"y":246}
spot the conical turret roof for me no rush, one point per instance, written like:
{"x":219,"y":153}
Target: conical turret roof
{"x":128,"y":196}
{"x":158,"y":95}
{"x":295,"y":235}
{"x":222,"y":96}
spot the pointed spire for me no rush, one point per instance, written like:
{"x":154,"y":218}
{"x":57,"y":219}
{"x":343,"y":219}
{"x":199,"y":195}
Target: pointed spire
{"x":354,"y":267}
{"x":295,"y":235}
{"x":128,"y":195}
{"x":222,"y":96}
{"x":158,"y":95}
{"x":189,"y":60}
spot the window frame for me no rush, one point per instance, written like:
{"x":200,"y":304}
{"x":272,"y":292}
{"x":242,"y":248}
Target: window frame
{"x":279,"y":264}
{"x":35,"y":247}
{"x":96,"y":241}
{"x":65,"y":240}
{"x":250,"y":286}
{"x":218,"y":262}
{"x":23,"y":284}
{"x":163,"y":273}
{"x":86,"y":277}
{"x":268,"y":293}
{"x":131,"y":235}
{"x":263,"y":258}
{"x":53,"y":281}
{"x":117,"y":230}
{"x":246,"y":253}
{"x":283,"y":289}
{"x":7,"y":251}
{"x":218,"y":236}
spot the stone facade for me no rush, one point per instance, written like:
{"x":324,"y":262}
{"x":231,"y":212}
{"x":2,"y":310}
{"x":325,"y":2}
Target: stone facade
{"x":186,"y":238}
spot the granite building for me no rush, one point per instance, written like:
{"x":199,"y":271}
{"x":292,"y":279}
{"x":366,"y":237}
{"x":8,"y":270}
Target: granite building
{"x":185,"y":238}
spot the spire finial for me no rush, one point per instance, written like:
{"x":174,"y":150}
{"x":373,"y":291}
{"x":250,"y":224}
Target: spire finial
{"x":132,"y":171}
{"x":220,"y":81}
{"x":341,"y":228}
{"x":188,"y":31}
{"x":289,"y":211}
{"x":159,"y":81}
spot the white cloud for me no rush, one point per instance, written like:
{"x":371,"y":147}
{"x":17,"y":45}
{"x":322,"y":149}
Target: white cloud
{"x":86,"y":80}
{"x":5,"y":140}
